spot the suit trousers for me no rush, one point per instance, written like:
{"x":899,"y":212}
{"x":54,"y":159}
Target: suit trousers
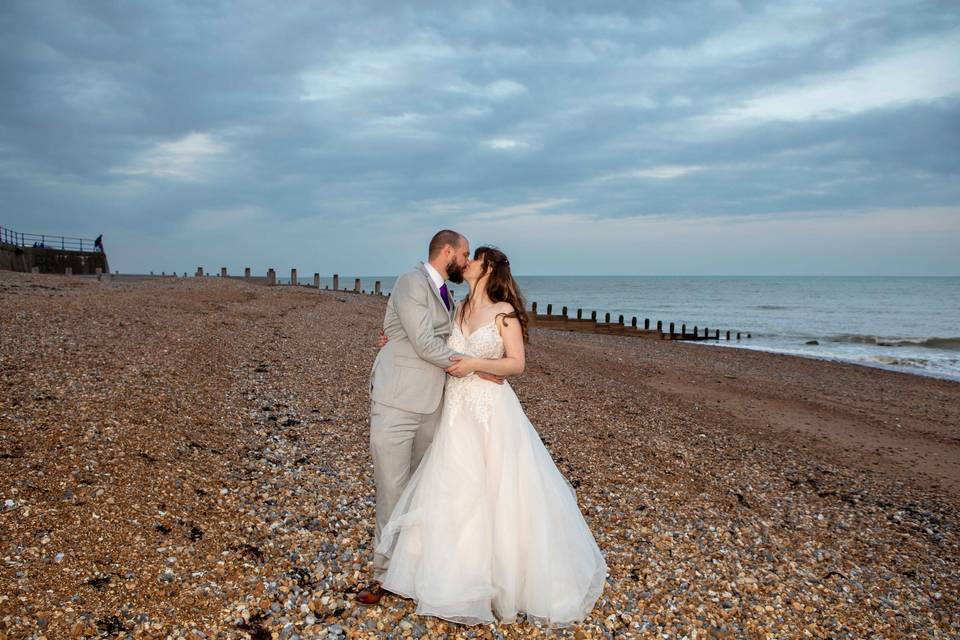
{"x":398,"y":440}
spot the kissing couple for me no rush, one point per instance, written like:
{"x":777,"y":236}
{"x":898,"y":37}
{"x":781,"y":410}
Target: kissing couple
{"x":474,"y":520}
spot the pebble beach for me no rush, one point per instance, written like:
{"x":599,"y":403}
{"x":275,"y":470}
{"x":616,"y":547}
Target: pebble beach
{"x":188,"y":458}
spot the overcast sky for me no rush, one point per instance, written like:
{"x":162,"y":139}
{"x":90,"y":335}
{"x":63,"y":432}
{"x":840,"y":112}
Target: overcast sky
{"x":628,"y":138}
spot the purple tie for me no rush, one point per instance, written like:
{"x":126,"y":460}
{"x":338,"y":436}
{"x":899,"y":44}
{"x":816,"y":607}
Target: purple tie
{"x":443,"y":294}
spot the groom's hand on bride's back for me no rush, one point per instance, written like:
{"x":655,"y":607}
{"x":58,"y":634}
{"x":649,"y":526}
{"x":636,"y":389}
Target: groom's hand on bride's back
{"x":382,"y":340}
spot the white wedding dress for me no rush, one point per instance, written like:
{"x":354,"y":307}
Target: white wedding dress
{"x":487,"y":526}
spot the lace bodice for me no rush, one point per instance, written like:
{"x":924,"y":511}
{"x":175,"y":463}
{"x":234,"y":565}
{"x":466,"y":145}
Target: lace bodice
{"x":485,"y":342}
{"x":471,"y":392}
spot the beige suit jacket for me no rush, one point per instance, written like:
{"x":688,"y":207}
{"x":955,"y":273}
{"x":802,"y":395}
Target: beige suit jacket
{"x":408,"y":372}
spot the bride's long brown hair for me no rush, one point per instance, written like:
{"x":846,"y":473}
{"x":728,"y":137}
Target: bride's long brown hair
{"x":501,"y":287}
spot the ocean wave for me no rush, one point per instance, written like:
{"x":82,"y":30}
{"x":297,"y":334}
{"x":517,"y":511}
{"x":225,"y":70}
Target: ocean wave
{"x":952,"y":344}
{"x":903,"y":362}
{"x":770,"y":307}
{"x":936,"y":367}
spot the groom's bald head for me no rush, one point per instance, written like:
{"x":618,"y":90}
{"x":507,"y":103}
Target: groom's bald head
{"x":444,"y":238}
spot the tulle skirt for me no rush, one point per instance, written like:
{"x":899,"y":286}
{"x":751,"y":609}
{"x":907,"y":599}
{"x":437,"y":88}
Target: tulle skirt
{"x":487,"y":526}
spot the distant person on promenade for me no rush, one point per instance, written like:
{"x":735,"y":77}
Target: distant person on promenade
{"x":98,"y":243}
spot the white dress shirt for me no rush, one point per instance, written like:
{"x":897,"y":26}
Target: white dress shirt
{"x":434,"y":275}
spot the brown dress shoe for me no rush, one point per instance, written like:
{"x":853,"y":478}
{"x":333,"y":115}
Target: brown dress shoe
{"x":371,"y":595}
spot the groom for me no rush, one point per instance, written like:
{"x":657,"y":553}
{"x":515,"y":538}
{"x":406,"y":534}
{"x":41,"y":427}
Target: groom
{"x":406,"y":385}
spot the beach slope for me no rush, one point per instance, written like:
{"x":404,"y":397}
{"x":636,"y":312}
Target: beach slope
{"x":191,"y":457}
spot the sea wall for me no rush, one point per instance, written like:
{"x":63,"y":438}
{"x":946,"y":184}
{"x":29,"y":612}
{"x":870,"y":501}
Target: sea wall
{"x":48,"y":260}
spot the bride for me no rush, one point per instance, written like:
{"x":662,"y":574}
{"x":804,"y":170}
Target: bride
{"x":487,"y":526}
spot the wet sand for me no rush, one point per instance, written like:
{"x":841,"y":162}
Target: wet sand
{"x":189,"y":458}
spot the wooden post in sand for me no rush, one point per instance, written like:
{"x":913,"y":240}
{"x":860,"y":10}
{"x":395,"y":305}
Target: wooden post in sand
{"x":706,"y":332}
{"x":549,"y":309}
{"x":671,"y":330}
{"x":606,"y":317}
{"x":717,"y":337}
{"x":336,"y":282}
{"x":593,"y":316}
{"x":694,"y":331}
{"x":271,"y":277}
{"x":316,"y":280}
{"x":246,"y":273}
{"x":356,"y":285}
{"x":564,"y":314}
{"x":377,"y":291}
{"x":620,"y":320}
{"x":646,"y":324}
{"x":728,"y":334}
{"x":579,"y":314}
{"x":633,"y":322}
{"x":293,"y":277}
{"x":738,"y":335}
{"x":659,"y":326}
{"x":683,"y":329}
{"x":533,"y":309}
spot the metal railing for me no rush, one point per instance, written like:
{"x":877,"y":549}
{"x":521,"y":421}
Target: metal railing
{"x":9,"y":236}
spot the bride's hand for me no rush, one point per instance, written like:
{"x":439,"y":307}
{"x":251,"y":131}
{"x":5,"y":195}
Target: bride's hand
{"x":483,"y":375}
{"x":462,"y":366}
{"x":382,"y":340}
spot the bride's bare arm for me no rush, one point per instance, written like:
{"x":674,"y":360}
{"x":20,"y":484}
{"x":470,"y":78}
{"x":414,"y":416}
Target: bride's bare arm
{"x":511,"y":364}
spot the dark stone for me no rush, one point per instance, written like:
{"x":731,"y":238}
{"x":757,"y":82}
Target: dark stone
{"x":255,"y":628}
{"x":303,"y":576}
{"x":110,"y":625}
{"x":99,"y":582}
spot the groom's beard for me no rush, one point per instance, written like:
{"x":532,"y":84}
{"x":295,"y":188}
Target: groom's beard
{"x":454,"y":272}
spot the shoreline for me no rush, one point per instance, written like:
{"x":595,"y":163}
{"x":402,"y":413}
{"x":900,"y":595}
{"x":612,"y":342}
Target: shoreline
{"x":856,"y":414}
{"x":909,"y":370}
{"x":193,"y":454}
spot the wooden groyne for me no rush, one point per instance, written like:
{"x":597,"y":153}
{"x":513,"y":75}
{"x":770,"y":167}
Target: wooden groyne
{"x":562,"y":321}
{"x":270,"y":279}
{"x":618,"y":326}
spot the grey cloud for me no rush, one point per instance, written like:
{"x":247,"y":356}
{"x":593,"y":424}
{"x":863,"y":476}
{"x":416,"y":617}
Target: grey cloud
{"x":374,"y":112}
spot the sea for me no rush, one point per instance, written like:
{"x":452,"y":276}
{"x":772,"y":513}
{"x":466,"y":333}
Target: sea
{"x":909,"y":324}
